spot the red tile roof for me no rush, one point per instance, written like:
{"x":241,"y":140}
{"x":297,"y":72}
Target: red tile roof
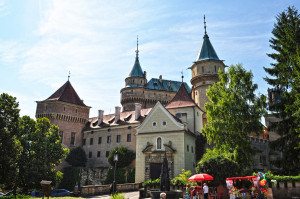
{"x":181,"y":99}
{"x":66,"y":93}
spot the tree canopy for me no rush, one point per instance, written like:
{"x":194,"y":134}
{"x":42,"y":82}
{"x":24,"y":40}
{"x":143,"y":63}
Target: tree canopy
{"x":77,"y":157}
{"x":125,"y":156}
{"x":284,"y":77}
{"x":233,"y":112}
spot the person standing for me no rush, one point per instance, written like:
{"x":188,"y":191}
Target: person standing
{"x":205,"y":191}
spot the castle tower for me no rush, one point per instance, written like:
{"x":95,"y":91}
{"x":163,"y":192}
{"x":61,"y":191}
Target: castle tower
{"x":134,"y":85}
{"x":205,"y":71}
{"x":65,"y":109}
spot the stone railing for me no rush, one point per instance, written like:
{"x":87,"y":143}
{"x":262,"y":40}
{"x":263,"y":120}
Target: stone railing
{"x":286,"y":190}
{"x":91,"y":190}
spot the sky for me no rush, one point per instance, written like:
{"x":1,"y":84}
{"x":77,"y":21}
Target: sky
{"x":41,"y":41}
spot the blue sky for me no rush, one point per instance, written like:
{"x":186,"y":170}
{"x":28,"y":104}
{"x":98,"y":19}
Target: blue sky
{"x":40,"y":41}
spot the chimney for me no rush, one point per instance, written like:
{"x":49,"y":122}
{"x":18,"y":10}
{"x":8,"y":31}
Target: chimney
{"x":117,"y":113}
{"x":137,"y":110}
{"x":100,"y":117}
{"x":160,"y":78}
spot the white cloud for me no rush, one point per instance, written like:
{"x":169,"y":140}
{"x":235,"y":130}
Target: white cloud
{"x":4,"y":8}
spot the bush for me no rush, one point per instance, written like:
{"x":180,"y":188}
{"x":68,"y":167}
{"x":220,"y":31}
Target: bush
{"x":125,"y":156}
{"x":120,"y":176}
{"x":151,"y":183}
{"x":278,"y":178}
{"x":182,"y":178}
{"x":17,"y":197}
{"x":131,"y":175}
{"x":117,"y":196}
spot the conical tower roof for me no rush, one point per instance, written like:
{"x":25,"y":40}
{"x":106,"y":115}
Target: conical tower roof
{"x":136,"y":70}
{"x":207,"y":51}
{"x":66,"y":93}
{"x":181,"y":99}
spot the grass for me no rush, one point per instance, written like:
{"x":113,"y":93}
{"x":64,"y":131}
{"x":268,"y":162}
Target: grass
{"x":66,"y":197}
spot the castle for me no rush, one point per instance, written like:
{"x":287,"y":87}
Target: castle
{"x":158,"y":118}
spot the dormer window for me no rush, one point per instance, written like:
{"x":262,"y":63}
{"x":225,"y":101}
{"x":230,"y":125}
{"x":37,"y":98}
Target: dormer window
{"x":164,"y":123}
{"x":158,"y":143}
{"x":154,"y":124}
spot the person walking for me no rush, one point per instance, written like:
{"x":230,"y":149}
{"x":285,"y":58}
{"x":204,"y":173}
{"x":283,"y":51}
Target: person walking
{"x":205,"y":191}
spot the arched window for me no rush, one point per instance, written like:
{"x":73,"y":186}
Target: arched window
{"x":158,"y":143}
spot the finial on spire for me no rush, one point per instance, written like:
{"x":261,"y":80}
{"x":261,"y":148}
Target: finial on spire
{"x":69,"y":75}
{"x":137,"y":46}
{"x":182,"y":76}
{"x":204,"y":25}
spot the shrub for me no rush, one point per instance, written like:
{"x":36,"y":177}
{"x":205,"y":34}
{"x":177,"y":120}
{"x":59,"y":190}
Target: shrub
{"x":182,"y":178}
{"x":151,"y":183}
{"x":120,"y":176}
{"x":17,"y":197}
{"x":70,"y":178}
{"x":278,"y":178}
{"x":125,"y":156}
{"x":117,"y":196}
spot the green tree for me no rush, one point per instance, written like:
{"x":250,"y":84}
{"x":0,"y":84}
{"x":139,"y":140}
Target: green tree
{"x":47,"y":150}
{"x":219,"y":164}
{"x":77,"y":157}
{"x":10,"y":147}
{"x":233,"y":112}
{"x":284,"y":77}
{"x":125,"y":156}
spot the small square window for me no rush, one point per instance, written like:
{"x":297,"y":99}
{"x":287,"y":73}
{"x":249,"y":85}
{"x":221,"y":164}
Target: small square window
{"x":90,"y":154}
{"x":98,"y":154}
{"x":164,"y":123}
{"x":107,"y":154}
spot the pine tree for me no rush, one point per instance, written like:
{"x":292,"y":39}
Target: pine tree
{"x":284,"y":78}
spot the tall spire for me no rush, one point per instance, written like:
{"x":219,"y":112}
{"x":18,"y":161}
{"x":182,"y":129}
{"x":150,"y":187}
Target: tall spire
{"x":69,"y":75}
{"x":137,"y":46}
{"x":136,"y":70}
{"x":207,"y":51}
{"x":204,"y":26}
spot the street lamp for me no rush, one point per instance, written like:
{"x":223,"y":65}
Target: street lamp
{"x":116,"y":158}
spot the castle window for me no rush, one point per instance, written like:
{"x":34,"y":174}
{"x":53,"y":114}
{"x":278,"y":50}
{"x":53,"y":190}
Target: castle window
{"x":91,"y":141}
{"x":192,"y":148}
{"x":46,"y":107}
{"x":215,"y":69}
{"x":98,"y":154}
{"x":202,"y":69}
{"x":108,"y":139}
{"x":61,"y":134}
{"x":76,"y":111}
{"x":129,"y":137}
{"x":154,"y":124}
{"x":90,"y":154}
{"x":118,"y":138}
{"x":196,"y":93}
{"x":187,"y":148}
{"x":72,"y":141}
{"x":158,"y":143}
{"x":99,"y":140}
{"x":83,"y":141}
{"x":164,"y":123}
{"x":107,"y":154}
{"x":64,"y":108}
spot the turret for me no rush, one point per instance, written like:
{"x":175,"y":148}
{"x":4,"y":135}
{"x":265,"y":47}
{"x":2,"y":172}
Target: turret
{"x":205,"y":70}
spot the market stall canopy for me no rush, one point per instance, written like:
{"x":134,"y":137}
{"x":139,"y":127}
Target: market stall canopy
{"x":242,"y":178}
{"x":201,"y":177}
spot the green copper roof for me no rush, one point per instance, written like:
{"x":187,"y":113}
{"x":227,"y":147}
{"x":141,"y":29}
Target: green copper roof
{"x":136,"y":70}
{"x":207,"y":50}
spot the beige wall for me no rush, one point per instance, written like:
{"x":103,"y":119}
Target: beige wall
{"x":189,"y":152}
{"x":104,"y":146}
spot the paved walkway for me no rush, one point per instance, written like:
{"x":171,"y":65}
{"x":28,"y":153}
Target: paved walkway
{"x":128,"y":195}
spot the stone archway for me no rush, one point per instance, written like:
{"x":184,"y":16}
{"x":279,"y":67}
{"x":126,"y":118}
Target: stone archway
{"x":154,"y":159}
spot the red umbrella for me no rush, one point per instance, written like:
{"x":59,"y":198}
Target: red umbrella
{"x":200,"y":177}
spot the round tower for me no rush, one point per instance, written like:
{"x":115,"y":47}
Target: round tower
{"x":134,"y":85}
{"x":205,"y":71}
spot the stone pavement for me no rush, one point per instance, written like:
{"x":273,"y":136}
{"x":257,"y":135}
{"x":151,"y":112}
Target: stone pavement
{"x":128,"y":195}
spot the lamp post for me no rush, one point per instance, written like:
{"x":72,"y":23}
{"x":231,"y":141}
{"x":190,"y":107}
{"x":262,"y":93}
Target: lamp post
{"x":114,"y":182}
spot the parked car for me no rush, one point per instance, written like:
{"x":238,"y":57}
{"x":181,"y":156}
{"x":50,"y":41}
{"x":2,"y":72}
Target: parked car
{"x":60,"y":192}
{"x":36,"y":193}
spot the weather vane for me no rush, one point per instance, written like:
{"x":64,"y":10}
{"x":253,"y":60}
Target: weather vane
{"x":69,"y":75}
{"x":137,"y":46}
